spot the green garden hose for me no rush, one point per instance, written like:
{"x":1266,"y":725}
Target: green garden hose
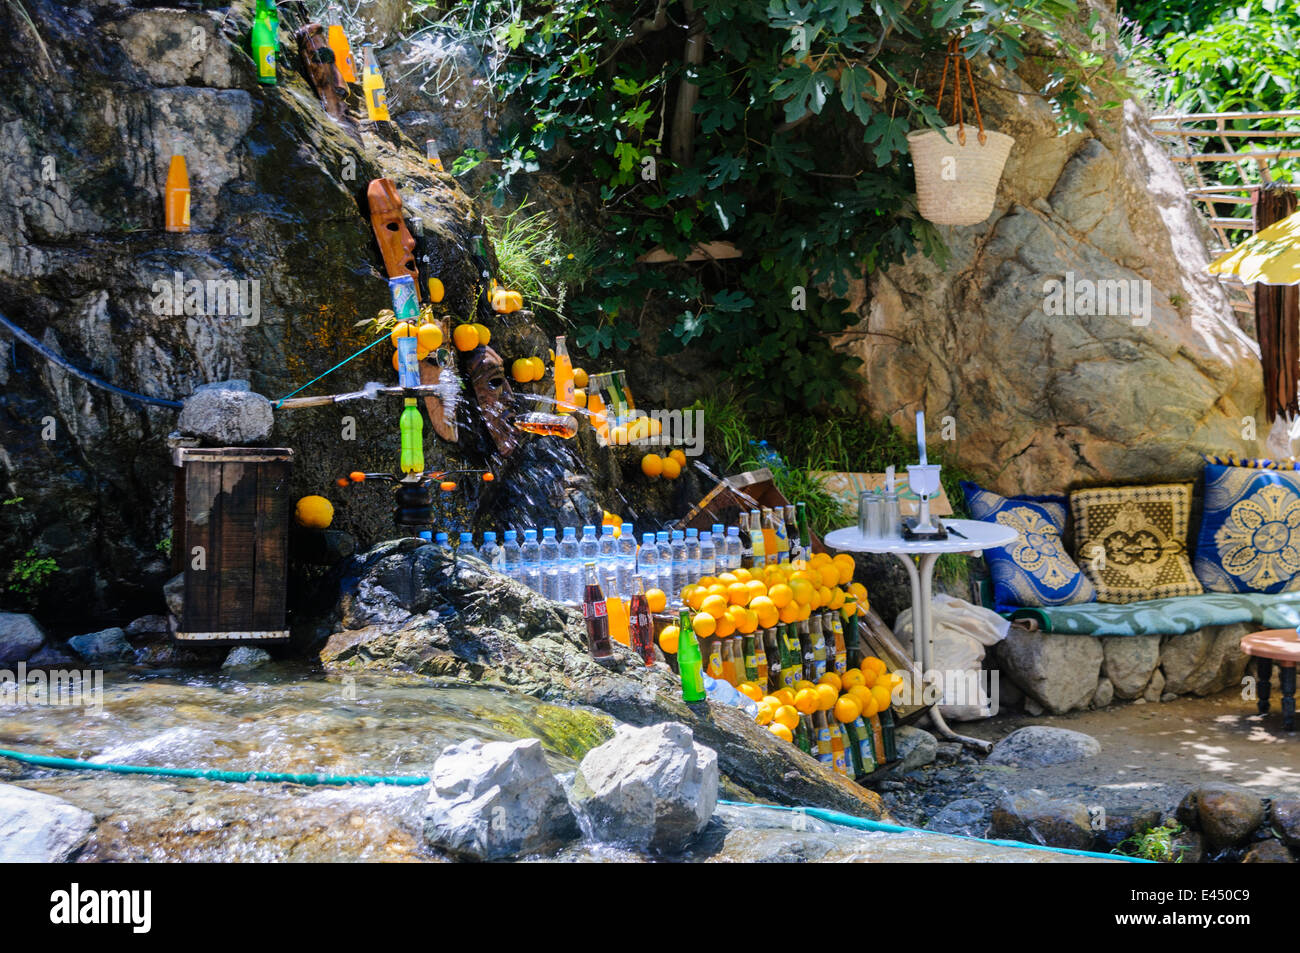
{"x":239,"y":777}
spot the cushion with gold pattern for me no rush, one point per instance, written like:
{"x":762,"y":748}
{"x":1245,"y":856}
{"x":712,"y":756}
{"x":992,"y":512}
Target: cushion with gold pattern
{"x":1132,"y":541}
{"x":1036,"y":569}
{"x":1250,"y":531}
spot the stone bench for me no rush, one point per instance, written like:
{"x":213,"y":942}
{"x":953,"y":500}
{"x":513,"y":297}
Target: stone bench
{"x":1067,"y":658}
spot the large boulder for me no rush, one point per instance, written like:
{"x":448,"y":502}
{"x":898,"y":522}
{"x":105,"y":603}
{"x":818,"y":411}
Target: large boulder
{"x":106,"y":645}
{"x":1040,"y":745}
{"x":916,"y":748}
{"x":1285,"y":814}
{"x":20,"y":637}
{"x":1224,"y":813}
{"x":652,"y":787}
{"x":40,"y":828}
{"x":226,"y":417}
{"x":1060,"y":672}
{"x":496,"y":800}
{"x":1129,"y":662}
{"x":1035,"y":818}
{"x":406,"y":607}
{"x":1206,"y":661}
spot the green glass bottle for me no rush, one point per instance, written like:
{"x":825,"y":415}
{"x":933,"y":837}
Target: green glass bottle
{"x":852,"y":643}
{"x":803,"y":735}
{"x":750,"y":659}
{"x":690,"y":663}
{"x":805,"y":538}
{"x":266,"y":41}
{"x":791,"y":658}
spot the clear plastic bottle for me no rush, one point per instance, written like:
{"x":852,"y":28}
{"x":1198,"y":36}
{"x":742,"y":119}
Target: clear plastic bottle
{"x":512,"y":556}
{"x":588,"y":548}
{"x":693,"y":572}
{"x":549,"y":557}
{"x":570,"y":568}
{"x":708,"y":555}
{"x":647,"y":561}
{"x":440,"y":540}
{"x":466,"y":547}
{"x":626,"y":560}
{"x":531,"y":561}
{"x":681,"y":567}
{"x":491,"y":552}
{"x":733,"y":547}
{"x":665,"y":551}
{"x":608,"y":561}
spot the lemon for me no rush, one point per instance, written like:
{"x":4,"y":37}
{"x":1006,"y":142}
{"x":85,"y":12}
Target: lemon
{"x":668,"y":639}
{"x":715,"y":606}
{"x":781,"y":731}
{"x":725,"y":626}
{"x":652,"y":465}
{"x":314,"y":512}
{"x":521,"y":369}
{"x":826,"y":697}
{"x":703,"y":624}
{"x":806,"y":701}
{"x":429,"y":337}
{"x":579,"y":377}
{"x":780,"y":594}
{"x":403,"y":329}
{"x":679,"y":456}
{"x":657,"y":600}
{"x":847,"y":709}
{"x":749,"y":690}
{"x":831,"y":679}
{"x":539,"y":368}
{"x":788,"y":716}
{"x":484,"y":335}
{"x":882,"y":696}
{"x":765,"y":713}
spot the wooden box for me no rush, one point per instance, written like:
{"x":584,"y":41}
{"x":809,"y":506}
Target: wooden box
{"x":230,"y":538}
{"x":753,"y":489}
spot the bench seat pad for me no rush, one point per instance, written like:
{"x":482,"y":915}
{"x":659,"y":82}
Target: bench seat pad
{"x":1173,"y":616}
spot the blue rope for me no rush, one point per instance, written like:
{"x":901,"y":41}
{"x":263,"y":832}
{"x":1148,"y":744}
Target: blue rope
{"x":384,"y":337}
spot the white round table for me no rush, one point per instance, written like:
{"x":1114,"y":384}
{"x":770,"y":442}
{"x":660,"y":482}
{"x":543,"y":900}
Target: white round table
{"x":976,"y":536}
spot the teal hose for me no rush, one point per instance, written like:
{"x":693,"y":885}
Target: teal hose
{"x":45,"y":761}
{"x":862,"y":823}
{"x":239,"y":777}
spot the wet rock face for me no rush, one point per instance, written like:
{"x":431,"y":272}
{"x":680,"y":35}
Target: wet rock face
{"x":37,"y":828}
{"x":405,"y":607}
{"x":20,"y":637}
{"x":1223,"y":813}
{"x":1035,"y":818}
{"x":1041,"y":745}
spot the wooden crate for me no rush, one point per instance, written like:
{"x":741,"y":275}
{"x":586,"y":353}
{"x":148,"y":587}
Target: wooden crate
{"x":724,"y":503}
{"x":234,"y":504}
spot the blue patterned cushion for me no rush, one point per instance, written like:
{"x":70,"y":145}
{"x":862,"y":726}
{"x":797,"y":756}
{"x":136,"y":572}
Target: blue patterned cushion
{"x":1250,"y":530}
{"x":1035,"y":570}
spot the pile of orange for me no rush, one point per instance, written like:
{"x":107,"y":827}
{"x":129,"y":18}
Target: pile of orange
{"x":669,"y":467}
{"x":858,"y":693}
{"x":785,"y":592}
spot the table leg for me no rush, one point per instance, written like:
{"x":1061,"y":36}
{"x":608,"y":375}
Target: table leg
{"x":927,"y":642}
{"x":1263,"y":683}
{"x":919,"y":606}
{"x":1286,"y":677}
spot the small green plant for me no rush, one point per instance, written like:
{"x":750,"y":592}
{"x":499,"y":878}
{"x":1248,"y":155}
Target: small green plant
{"x":1155,"y":844}
{"x":29,"y":573}
{"x":164,"y":545}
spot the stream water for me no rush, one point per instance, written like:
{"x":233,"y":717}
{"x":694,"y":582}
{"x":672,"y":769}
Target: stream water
{"x":286,"y":718}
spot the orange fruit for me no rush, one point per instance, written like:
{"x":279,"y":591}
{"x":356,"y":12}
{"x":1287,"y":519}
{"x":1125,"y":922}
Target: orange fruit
{"x":876,"y":665}
{"x":787,"y":715}
{"x":521,"y":369}
{"x":859,"y":592}
{"x":737,"y":615}
{"x":750,"y":623}
{"x":780,"y":594}
{"x":679,"y":456}
{"x":804,"y":612}
{"x":845,"y":565}
{"x":715,"y":606}
{"x":466,"y":337}
{"x":436,"y":290}
{"x":756,"y":588}
{"x":806,"y":701}
{"x":749,"y":690}
{"x":579,"y":397}
{"x":539,"y":369}
{"x":618,"y":437}
{"x":657,"y":600}
{"x":718,"y":589}
{"x":882,"y":696}
{"x":765,"y":713}
{"x":861,"y":693}
{"x":484,"y":335}
{"x":672,"y":469}
{"x":738,"y":593}
{"x":830,"y":576}
{"x":668,"y":639}
{"x":784,"y":696}
{"x":654,"y":429}
{"x":703,"y":624}
{"x":837,"y":598}
{"x":850,"y":609}
{"x":781,"y":731}
{"x":765,"y":610}
{"x":831,"y":679}
{"x":652,"y":465}
{"x":847,"y":709}
{"x":742,"y":574}
{"x":851,"y":677}
{"x":728,"y":577}
{"x":403,"y":329}
{"x":826,"y":697}
{"x":789,"y":613}
{"x":771,"y":700}
{"x":725,"y":627}
{"x":429,"y":336}
{"x":579,"y":377}
{"x":802,"y":591}
{"x":693,"y":596}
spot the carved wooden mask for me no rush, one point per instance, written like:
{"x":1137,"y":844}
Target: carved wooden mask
{"x":318,"y":59}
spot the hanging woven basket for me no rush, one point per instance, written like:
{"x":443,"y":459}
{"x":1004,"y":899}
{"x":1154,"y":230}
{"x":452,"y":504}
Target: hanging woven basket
{"x":957,"y":174}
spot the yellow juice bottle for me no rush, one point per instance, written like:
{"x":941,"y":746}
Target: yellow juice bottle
{"x":616,"y":612}
{"x":372,"y":84}
{"x":563,"y":378}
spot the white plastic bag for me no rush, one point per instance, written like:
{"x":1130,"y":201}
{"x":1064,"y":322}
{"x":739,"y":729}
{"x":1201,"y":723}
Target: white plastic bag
{"x":962,"y":632}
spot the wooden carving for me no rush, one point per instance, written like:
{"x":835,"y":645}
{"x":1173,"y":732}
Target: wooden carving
{"x":396,"y":243}
{"x":322,"y":70}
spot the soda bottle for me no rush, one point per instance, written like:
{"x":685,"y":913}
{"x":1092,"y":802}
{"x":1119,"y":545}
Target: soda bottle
{"x":838,"y":754}
{"x":781,"y":541}
{"x":176,"y":196}
{"x":807,"y":658}
{"x":861,"y":735}
{"x":564,"y":389}
{"x":594,"y":612}
{"x":689,"y":662}
{"x":853,"y":765}
{"x":337,"y":41}
{"x":616,"y":610}
{"x":771,"y":550}
{"x":823,"y":729}
{"x":818,"y":641}
{"x":723,"y":648}
{"x":412,"y":427}
{"x":888,"y":733}
{"x":803,"y":735}
{"x":266,"y":40}
{"x":835,"y":645}
{"x":737,"y":644}
{"x":770,"y":659}
{"x":791,"y":657}
{"x":641,"y":630}
{"x":715,"y":658}
{"x":878,"y":740}
{"x":372,"y":84}
{"x":805,"y":538}
{"x":746,"y":543}
{"x":852,"y":643}
{"x":792,"y":535}
{"x":751,"y":660}
{"x":757,"y":540}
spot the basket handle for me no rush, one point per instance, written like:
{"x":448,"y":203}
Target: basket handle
{"x":956,"y":61}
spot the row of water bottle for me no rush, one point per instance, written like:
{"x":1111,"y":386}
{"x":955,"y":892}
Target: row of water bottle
{"x":668,"y":560}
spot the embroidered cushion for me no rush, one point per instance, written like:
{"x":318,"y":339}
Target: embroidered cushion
{"x":1132,"y":541}
{"x":1035,"y":570}
{"x":1250,"y":531}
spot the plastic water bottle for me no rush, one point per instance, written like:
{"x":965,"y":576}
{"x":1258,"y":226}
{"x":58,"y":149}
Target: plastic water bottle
{"x":733,"y":547}
{"x":549,"y":552}
{"x":588,"y":548}
{"x":626,"y":560}
{"x":708,"y":555}
{"x":570,"y":568}
{"x":665,"y":552}
{"x":466,"y":547}
{"x":440,"y":541}
{"x":608,"y":561}
{"x":725,"y":693}
{"x":693,"y":555}
{"x":681,"y":567}
{"x":512,"y":557}
{"x":647,"y":561}
{"x":490,"y":552}
{"x":531,"y":552}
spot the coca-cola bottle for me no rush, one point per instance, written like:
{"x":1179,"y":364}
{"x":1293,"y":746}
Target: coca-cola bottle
{"x":593,"y":610}
{"x":641,"y":630}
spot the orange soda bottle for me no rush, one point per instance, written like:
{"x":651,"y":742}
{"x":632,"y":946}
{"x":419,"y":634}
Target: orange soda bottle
{"x":176,"y":196}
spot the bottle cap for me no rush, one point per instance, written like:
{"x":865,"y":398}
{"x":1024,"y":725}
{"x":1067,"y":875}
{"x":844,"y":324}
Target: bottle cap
{"x":626,"y":527}
{"x":607,"y":530}
{"x":662,"y":536}
{"x":467,"y":538}
{"x":511,"y":536}
{"x":530,"y":534}
{"x":588,"y":529}
{"x":692,"y":534}
{"x":441,"y":538}
{"x":489,"y":537}
{"x":733,"y":530}
{"x":717,"y":529}
{"x":647,"y":539}
{"x":569,"y":533}
{"x":426,"y":534}
{"x":548,"y":533}
{"x":678,"y":534}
